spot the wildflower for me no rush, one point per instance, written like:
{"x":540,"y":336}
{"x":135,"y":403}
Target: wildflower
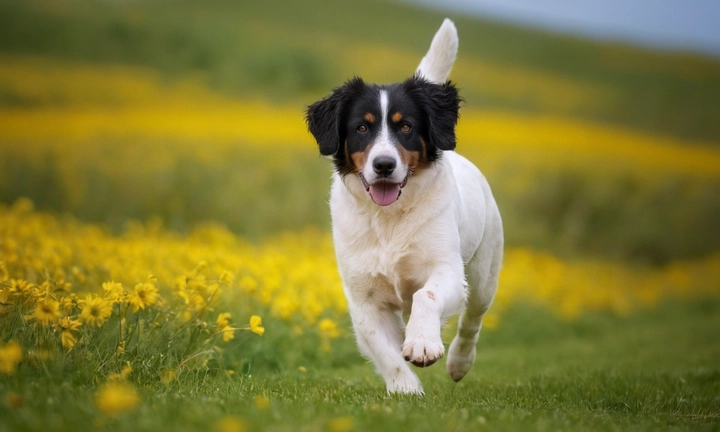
{"x":223,"y":320}
{"x":261,"y":402}
{"x":4,"y":297}
{"x":10,"y":356}
{"x":20,"y":287}
{"x":256,"y":325}
{"x":223,"y":324}
{"x":116,"y":397}
{"x":226,"y":278}
{"x":341,"y":424}
{"x":328,"y":328}
{"x":228,"y":334}
{"x":47,"y":311}
{"x":145,"y":295}
{"x":231,"y":424}
{"x":68,"y":340}
{"x":95,"y":310}
{"x":67,"y":303}
{"x":122,"y":375}
{"x":120,"y":350}
{"x":114,"y":291}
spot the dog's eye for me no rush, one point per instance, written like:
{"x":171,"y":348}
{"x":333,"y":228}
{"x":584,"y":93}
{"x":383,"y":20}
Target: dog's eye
{"x":362,"y":128}
{"x":405,"y":127}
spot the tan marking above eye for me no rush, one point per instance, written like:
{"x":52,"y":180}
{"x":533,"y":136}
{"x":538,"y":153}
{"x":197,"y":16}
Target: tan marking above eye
{"x":397,"y":117}
{"x":405,"y":128}
{"x":369,"y":117}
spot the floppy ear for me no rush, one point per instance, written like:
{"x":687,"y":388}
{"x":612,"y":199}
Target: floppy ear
{"x":440,"y":104}
{"x":325,"y":118}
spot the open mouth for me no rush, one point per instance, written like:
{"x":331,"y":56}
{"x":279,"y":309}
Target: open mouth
{"x":383,"y":192}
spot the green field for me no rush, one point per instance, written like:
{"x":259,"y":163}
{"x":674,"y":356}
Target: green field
{"x":159,"y":147}
{"x":653,"y":371}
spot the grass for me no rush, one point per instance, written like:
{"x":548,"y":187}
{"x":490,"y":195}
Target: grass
{"x":654,"y":370}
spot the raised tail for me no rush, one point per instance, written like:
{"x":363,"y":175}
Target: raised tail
{"x":438,"y":62}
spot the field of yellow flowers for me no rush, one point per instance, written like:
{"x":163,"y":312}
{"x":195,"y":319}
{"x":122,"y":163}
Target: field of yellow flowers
{"x":98,"y":267}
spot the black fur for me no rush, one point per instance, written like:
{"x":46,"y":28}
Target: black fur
{"x":430,"y":109}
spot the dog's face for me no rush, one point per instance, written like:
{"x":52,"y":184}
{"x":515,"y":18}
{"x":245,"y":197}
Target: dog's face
{"x":384,"y":134}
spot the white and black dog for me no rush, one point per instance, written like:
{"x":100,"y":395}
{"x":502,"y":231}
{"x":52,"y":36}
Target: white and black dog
{"x":415,"y":226}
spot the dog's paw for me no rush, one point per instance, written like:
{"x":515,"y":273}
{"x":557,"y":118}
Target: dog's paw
{"x":460,"y":360}
{"x":406,"y":384}
{"x":423,"y":350}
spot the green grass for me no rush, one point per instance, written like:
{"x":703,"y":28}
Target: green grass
{"x":654,"y":370}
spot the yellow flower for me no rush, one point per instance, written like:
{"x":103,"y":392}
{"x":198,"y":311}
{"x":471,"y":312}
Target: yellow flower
{"x":116,"y":397}
{"x":231,"y":424}
{"x":68,"y":340}
{"x":4,"y":297}
{"x":67,"y":303}
{"x":10,"y":356}
{"x":20,"y":287}
{"x":95,"y":310}
{"x":223,"y":320}
{"x":341,"y":424}
{"x":123,"y":374}
{"x":226,"y":278}
{"x":145,"y":295}
{"x":328,"y":328}
{"x":228,"y":333}
{"x":256,"y":325}
{"x":67,"y":324}
{"x":47,"y":311}
{"x":223,"y":324}
{"x":114,"y":291}
{"x":261,"y":402}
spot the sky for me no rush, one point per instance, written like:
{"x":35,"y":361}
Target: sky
{"x":692,"y":25}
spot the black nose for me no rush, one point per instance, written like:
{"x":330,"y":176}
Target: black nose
{"x":384,"y":165}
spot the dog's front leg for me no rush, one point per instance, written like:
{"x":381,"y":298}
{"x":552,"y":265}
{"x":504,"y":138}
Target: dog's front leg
{"x":379,"y":337}
{"x":442,"y":296}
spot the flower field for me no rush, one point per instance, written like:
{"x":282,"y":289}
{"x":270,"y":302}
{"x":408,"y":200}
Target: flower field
{"x":153,"y":230}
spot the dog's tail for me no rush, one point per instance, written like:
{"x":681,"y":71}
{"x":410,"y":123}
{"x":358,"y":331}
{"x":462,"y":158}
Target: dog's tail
{"x":438,"y":62}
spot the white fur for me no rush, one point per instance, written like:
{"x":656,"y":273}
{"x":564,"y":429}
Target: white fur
{"x":384,"y":147}
{"x":434,"y":253}
{"x":439,"y":60}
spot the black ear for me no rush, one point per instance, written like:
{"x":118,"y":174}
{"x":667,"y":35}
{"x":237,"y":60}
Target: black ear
{"x":325,"y":118}
{"x":440,"y":104}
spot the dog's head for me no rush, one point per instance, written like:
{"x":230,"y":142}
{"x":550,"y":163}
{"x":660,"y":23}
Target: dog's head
{"x":383,"y":134}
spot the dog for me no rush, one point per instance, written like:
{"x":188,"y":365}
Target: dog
{"x":416,"y":229}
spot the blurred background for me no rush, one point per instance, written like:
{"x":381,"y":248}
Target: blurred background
{"x":600,"y":137}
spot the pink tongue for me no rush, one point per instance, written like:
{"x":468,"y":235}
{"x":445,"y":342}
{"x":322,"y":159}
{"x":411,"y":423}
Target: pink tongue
{"x":384,"y":194}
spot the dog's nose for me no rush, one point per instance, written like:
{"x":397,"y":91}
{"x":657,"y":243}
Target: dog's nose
{"x":384,"y":165}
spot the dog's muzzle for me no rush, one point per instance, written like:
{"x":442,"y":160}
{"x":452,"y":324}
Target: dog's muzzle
{"x":383,"y":192}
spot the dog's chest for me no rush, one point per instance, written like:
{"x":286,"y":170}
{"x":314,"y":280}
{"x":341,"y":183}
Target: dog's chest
{"x":387,"y":261}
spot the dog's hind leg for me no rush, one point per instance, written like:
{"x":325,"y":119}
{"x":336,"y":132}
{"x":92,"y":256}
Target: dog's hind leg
{"x":482,"y":275}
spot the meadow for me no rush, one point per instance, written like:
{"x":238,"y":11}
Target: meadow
{"x":165,"y":255}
